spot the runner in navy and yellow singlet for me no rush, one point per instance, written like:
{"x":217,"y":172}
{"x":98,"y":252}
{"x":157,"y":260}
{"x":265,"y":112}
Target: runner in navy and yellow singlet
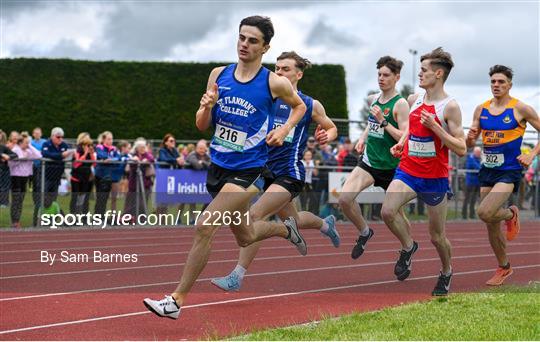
{"x":239,"y":104}
{"x":501,"y":121}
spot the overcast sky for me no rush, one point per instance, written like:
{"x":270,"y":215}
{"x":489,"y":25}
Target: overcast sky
{"x":352,"y":33}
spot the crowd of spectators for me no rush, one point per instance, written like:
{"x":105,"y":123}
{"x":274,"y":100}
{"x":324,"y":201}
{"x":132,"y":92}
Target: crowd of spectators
{"x":104,"y":170}
{"x":98,"y":168}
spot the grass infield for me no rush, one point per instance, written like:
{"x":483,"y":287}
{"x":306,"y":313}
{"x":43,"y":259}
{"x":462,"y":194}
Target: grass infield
{"x":505,"y":313}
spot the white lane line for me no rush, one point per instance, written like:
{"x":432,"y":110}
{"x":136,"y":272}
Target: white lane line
{"x":278,"y":295}
{"x":190,"y":237}
{"x":35,"y":260}
{"x":31,"y":275}
{"x":257,"y":274}
{"x":47,"y":232}
{"x":392,"y":240}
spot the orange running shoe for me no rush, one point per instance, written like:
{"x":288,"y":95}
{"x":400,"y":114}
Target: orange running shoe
{"x":512,"y":225}
{"x":500,"y":275}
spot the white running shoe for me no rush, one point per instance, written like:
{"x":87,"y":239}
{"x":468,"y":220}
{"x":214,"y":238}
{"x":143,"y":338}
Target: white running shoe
{"x":294,"y":235}
{"x":166,"y":307}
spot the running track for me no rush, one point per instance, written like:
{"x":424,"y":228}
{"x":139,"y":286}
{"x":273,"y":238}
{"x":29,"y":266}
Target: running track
{"x":98,"y":301}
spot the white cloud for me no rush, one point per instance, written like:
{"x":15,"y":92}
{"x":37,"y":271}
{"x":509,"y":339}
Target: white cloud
{"x":354,"y":34}
{"x":38,"y":32}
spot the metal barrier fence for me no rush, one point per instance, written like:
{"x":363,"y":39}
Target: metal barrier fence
{"x":52,"y":177}
{"x":52,"y":193}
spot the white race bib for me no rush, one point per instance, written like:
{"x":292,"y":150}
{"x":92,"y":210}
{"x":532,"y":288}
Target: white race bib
{"x":230,"y":138}
{"x":422,"y":147}
{"x":290,"y":136}
{"x":375,"y":130}
{"x":492,"y":159}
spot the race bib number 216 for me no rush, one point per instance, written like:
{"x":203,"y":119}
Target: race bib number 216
{"x":230,"y":138}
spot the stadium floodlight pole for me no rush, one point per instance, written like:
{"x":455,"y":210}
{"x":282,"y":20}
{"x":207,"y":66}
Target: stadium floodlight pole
{"x":413,"y":53}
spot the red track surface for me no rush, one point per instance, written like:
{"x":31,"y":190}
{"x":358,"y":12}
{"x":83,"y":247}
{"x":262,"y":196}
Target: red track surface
{"x":103,"y":301}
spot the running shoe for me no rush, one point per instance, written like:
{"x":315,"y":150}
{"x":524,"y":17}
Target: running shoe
{"x":500,"y":275}
{"x":403,"y":266}
{"x":294,"y":235}
{"x":332,"y":232}
{"x":443,"y":285}
{"x":231,"y":282}
{"x":166,"y":307}
{"x":360,"y":246}
{"x":512,"y":225}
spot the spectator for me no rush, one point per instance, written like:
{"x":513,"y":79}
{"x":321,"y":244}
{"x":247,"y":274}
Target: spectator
{"x":171,"y":159}
{"x":6,"y":154}
{"x":20,"y":173}
{"x":308,"y":197}
{"x":312,"y":146}
{"x":523,"y":185}
{"x":148,"y":147}
{"x":328,"y":160}
{"x":316,"y":183}
{"x":531,"y":180}
{"x":11,"y":143}
{"x":119,"y":171}
{"x":56,"y":150}
{"x":189,"y":148}
{"x":37,"y":142}
{"x":472,"y":184}
{"x":139,"y":173}
{"x":13,"y":139}
{"x":168,"y":154}
{"x":199,"y":159}
{"x":106,"y":153}
{"x":81,"y":174}
{"x":328,"y":157}
{"x":182,"y":150}
{"x":346,"y":149}
{"x":351,"y":158}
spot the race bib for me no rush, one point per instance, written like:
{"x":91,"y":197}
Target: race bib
{"x":230,"y":138}
{"x":290,"y":136}
{"x":421,"y":147}
{"x":375,"y":130}
{"x":492,"y":159}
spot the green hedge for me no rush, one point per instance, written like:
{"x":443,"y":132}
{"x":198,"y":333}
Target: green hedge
{"x":130,"y":99}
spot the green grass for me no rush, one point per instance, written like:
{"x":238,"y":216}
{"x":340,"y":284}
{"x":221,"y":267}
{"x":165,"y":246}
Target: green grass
{"x":506,"y":313}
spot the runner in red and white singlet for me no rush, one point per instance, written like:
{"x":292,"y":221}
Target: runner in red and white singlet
{"x":424,"y":155}
{"x":434,"y":128}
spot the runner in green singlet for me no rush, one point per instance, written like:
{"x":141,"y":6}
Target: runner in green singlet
{"x":387,"y":122}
